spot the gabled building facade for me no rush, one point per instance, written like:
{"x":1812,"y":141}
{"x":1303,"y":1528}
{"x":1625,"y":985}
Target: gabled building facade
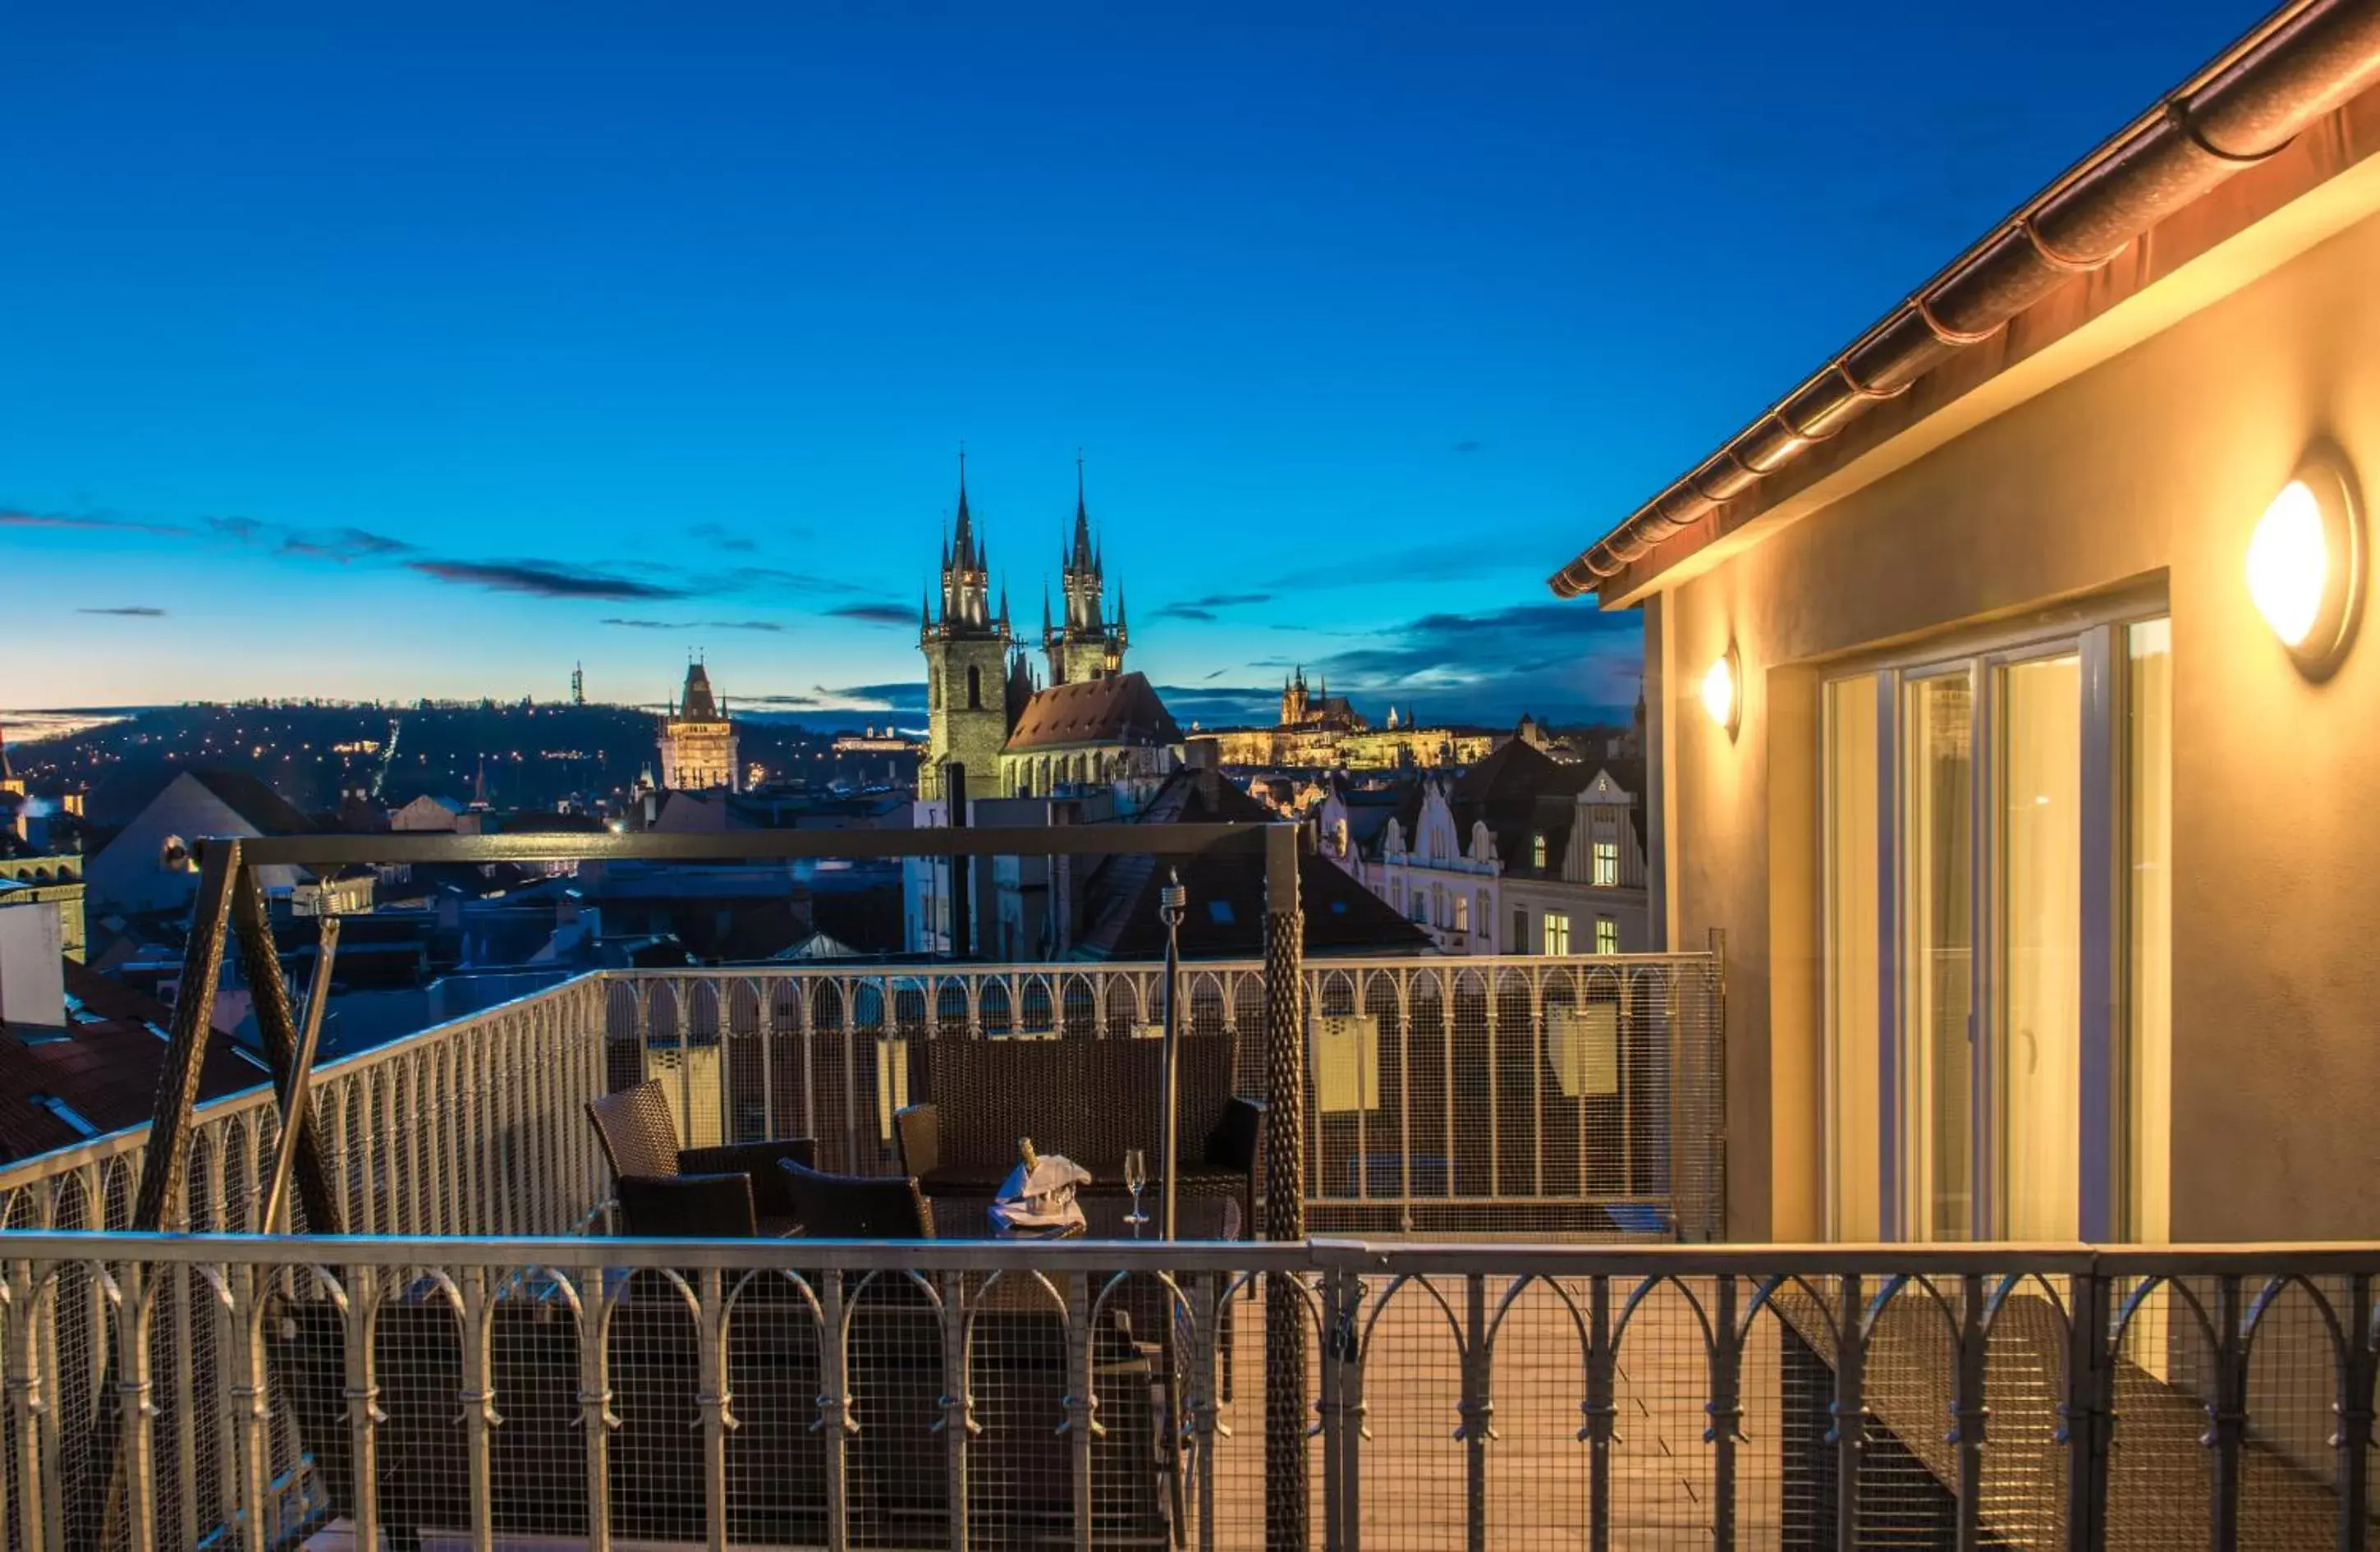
{"x":1522,"y":854}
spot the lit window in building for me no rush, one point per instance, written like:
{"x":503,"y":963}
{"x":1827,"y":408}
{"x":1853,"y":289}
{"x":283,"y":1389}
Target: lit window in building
{"x":1462,"y":913}
{"x":1607,"y":936}
{"x":1537,"y":850}
{"x":1606,"y":862}
{"x":1557,"y":932}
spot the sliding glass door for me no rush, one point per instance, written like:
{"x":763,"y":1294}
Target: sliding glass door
{"x":1994,"y":1016}
{"x":2037,"y":1059}
{"x":1937,"y":826}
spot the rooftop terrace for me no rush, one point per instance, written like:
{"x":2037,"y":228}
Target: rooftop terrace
{"x":1471,"y":1324}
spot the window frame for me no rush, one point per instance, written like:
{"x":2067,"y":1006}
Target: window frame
{"x":2095,"y":630}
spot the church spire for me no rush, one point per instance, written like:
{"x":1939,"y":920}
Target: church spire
{"x":969,"y":556}
{"x":1083,"y":558}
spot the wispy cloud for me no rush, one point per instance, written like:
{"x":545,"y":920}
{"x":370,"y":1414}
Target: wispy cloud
{"x":768,"y":625}
{"x":783,"y":580}
{"x":1215,"y":705}
{"x":1557,"y":659}
{"x":342,"y":545}
{"x":720,"y":535}
{"x":1204,"y":609}
{"x":1446,"y":560}
{"x":238,"y":530}
{"x":89,"y":522}
{"x":903,"y":693}
{"x":1466,"y":446}
{"x":542,"y":579}
{"x":875,"y":614}
{"x":128,"y":611}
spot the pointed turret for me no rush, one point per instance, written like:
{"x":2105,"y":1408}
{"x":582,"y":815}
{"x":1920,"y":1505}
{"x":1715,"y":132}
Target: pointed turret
{"x":1082,"y":559}
{"x":967,"y":554}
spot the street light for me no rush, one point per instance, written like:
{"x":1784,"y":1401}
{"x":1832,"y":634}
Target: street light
{"x":1173,"y":900}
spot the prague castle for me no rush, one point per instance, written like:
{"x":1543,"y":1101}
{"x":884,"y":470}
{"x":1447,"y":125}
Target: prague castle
{"x":1322,"y":731}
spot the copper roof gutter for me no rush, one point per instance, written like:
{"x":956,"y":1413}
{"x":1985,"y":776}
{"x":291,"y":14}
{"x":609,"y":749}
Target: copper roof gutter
{"x":2306,"y":60}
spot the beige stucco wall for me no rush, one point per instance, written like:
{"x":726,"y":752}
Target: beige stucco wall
{"x":2154,"y":464}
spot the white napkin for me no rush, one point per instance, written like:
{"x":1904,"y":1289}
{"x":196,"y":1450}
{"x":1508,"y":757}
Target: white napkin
{"x":1044,"y":1199}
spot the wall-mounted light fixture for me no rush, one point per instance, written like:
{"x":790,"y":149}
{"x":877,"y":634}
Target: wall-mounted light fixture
{"x":2305,"y":563}
{"x":1723,"y":690}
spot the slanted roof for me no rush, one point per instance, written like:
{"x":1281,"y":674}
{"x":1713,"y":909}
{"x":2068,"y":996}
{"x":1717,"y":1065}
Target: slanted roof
{"x":268,"y":811}
{"x":1227,"y":892}
{"x":695,"y":704}
{"x":103,"y":1064}
{"x":1519,"y":792}
{"x":1123,"y":709}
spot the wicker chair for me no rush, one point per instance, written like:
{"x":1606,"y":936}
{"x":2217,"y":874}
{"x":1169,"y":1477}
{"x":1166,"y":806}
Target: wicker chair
{"x":857,"y":1206}
{"x":640,"y":1139}
{"x":689,"y":1206}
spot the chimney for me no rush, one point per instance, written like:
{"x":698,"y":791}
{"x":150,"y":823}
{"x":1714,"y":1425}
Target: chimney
{"x":33,"y":963}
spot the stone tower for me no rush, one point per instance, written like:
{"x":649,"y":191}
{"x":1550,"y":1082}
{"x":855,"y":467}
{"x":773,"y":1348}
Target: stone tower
{"x":1295,"y":702}
{"x":697,"y":741}
{"x":1087,"y":647}
{"x":966,"y":666}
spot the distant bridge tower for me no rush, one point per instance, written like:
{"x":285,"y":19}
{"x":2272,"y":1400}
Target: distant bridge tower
{"x":578,"y":684}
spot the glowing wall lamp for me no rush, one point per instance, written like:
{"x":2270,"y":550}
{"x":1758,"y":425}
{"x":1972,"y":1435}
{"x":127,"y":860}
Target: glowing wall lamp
{"x":2305,"y":564}
{"x":1723,"y":690}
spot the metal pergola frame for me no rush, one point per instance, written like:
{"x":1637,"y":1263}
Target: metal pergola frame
{"x":231,"y":906}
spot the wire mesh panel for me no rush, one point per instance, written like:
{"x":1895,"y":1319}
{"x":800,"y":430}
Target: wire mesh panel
{"x":1573,"y":1098}
{"x":325,"y":1393}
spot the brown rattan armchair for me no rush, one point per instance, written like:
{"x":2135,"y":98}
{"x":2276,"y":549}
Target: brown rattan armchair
{"x":640,"y":1139}
{"x":857,"y":1206}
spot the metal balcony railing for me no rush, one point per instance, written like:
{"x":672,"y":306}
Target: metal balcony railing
{"x":1574,"y":1097}
{"x":177,"y":1392}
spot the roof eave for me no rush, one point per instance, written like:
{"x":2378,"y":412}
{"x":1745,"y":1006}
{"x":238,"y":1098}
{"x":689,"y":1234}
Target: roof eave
{"x":2240,"y":120}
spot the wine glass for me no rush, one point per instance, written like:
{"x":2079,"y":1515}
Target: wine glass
{"x":1136,"y":1180}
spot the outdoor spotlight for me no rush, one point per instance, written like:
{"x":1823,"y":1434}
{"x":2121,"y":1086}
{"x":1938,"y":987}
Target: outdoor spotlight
{"x":2305,"y":563}
{"x":1722,"y":695}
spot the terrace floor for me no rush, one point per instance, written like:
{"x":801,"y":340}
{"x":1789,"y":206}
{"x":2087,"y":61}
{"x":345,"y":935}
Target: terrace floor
{"x":1414,"y":1469}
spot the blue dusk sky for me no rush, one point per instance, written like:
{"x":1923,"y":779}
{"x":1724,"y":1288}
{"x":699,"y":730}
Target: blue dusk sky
{"x":427,"y":349}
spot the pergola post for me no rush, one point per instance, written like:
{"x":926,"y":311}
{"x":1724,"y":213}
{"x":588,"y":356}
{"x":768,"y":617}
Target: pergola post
{"x":166,"y":1159}
{"x":1284,"y":1193}
{"x":289,"y":1053}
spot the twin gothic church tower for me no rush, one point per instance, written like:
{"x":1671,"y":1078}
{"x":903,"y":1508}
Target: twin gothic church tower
{"x":978,"y":673}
